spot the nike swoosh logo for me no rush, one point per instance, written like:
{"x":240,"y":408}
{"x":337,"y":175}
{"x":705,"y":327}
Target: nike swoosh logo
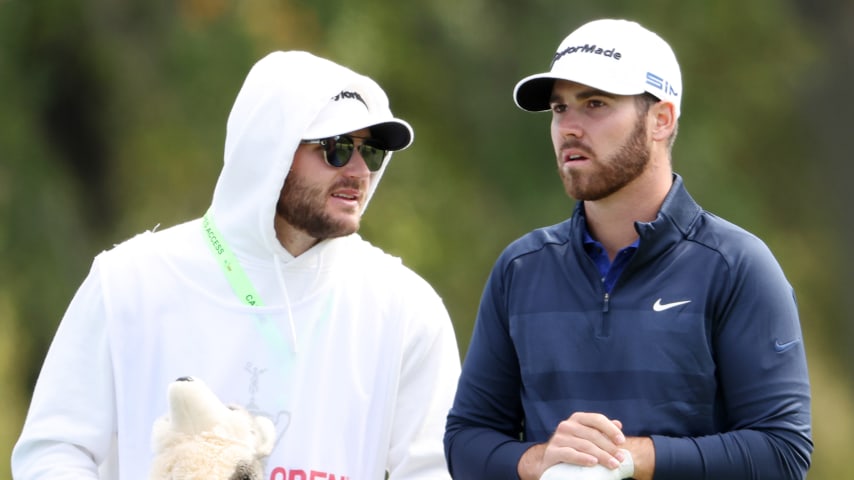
{"x":782,"y":347}
{"x":660,"y":307}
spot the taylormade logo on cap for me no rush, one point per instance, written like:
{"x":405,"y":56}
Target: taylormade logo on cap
{"x":652,"y":79}
{"x":349,"y":95}
{"x":587,"y":48}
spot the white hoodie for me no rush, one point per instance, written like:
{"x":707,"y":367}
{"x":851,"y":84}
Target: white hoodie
{"x":353,"y":356}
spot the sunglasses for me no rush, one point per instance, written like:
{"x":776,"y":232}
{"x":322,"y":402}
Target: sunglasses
{"x":338,"y":150}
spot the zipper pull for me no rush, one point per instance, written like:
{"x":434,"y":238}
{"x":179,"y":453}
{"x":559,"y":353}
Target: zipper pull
{"x":605,"y":302}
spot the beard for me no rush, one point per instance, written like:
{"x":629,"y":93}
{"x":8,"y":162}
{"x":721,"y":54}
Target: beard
{"x":304,"y":207}
{"x":612,"y":174}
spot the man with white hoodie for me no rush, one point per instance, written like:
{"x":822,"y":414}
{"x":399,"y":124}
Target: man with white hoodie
{"x":271,"y":298}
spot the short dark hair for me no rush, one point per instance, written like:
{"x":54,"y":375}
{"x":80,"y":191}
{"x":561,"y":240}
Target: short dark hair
{"x":644,"y":101}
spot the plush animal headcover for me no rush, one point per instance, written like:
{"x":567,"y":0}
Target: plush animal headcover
{"x":203,"y":439}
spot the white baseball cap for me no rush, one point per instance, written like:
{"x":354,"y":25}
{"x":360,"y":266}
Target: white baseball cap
{"x":615,"y":56}
{"x":348,"y":111}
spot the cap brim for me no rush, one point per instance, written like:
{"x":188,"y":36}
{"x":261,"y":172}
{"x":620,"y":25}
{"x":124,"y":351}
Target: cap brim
{"x":534,"y":92}
{"x":392,"y":135}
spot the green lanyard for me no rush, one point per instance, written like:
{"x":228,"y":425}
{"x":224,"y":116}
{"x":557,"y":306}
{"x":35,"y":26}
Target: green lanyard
{"x":240,"y":283}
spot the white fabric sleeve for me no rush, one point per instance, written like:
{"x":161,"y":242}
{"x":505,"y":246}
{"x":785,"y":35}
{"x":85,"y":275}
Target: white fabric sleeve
{"x":430,"y":371}
{"x":69,"y":429}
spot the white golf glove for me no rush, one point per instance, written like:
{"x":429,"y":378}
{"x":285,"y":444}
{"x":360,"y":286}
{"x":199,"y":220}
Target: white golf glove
{"x":568,"y":471}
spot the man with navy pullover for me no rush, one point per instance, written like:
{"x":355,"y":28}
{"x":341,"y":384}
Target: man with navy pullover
{"x":643,"y":337}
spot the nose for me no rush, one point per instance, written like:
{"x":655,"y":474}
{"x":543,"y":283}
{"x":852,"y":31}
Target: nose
{"x":357,"y":167}
{"x":568,"y":124}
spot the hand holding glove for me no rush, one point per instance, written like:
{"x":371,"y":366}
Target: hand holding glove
{"x":568,"y":471}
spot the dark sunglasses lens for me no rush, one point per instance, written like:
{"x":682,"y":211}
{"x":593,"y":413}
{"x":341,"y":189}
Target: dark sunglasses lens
{"x":338,"y":151}
{"x":373,"y":157}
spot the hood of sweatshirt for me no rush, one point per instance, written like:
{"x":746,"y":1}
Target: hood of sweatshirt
{"x":281,"y":98}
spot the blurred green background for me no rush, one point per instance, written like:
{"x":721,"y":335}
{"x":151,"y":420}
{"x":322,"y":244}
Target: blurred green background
{"x":113,"y":115}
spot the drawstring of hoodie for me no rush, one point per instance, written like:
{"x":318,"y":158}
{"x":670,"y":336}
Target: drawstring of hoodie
{"x":243,"y":287}
{"x":281,"y":278}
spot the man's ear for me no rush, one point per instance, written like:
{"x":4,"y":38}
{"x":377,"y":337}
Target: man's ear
{"x":663,"y":116}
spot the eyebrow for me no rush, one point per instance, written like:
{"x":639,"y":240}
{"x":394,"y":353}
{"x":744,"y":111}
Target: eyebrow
{"x":583,"y":95}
